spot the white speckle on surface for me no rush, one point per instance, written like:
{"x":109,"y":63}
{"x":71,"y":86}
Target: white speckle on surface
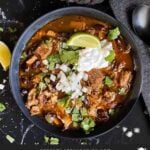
{"x":141,"y":148}
{"x":129,"y":134}
{"x":136,"y":130}
{"x":124,"y":129}
{"x":2,"y":86}
{"x":2,"y":14}
{"x":4,"y":81}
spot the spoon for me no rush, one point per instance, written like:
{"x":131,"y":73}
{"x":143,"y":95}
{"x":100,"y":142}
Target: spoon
{"x":141,"y":22}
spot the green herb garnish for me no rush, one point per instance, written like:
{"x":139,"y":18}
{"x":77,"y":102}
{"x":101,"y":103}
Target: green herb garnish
{"x":69,"y":57}
{"x":83,"y":111}
{"x":108,"y":81}
{"x":111,"y":56}
{"x":64,"y":102}
{"x":113,"y":34}
{"x":12,"y":30}
{"x":46,"y":139}
{"x":111,"y":111}
{"x":53,"y":60}
{"x":75,"y":111}
{"x":42,"y":85}
{"x":76,"y":117}
{"x":47,"y":80}
{"x":54,"y":141}
{"x":10,"y":138}
{"x":24,"y":55}
{"x":122,"y":91}
{"x":2,"y":107}
{"x":68,"y":110}
{"x":88,"y":125}
{"x":75,"y":124}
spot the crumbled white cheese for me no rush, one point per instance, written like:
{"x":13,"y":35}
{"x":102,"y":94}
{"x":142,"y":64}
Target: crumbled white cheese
{"x":136,"y":130}
{"x":129,"y":134}
{"x":45,"y":62}
{"x":53,"y":77}
{"x":2,"y":86}
{"x":124,"y":129}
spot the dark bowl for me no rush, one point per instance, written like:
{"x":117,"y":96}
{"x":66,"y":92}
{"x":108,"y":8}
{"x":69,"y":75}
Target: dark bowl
{"x":14,"y":70}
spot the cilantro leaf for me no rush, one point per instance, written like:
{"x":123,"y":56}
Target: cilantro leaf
{"x":88,"y":125}
{"x":122,"y":91}
{"x":54,"y":141}
{"x":111,"y":56}
{"x":69,"y":57}
{"x":84,"y":111}
{"x":108,"y":81}
{"x":2,"y":107}
{"x":113,"y":34}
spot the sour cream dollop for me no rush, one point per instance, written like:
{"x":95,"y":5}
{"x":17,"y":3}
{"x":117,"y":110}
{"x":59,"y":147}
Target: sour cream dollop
{"x":90,"y":58}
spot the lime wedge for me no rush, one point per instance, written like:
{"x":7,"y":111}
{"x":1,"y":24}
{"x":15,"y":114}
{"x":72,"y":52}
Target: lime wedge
{"x":5,"y":55}
{"x":84,"y":40}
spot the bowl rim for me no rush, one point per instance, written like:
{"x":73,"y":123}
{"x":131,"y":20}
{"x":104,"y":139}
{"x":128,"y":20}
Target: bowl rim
{"x":35,"y":25}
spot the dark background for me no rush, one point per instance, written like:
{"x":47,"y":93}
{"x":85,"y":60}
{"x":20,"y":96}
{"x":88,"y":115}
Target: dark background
{"x":19,"y":14}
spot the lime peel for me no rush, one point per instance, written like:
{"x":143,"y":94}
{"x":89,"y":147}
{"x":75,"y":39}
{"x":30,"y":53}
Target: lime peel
{"x":5,"y":56}
{"x":84,"y":40}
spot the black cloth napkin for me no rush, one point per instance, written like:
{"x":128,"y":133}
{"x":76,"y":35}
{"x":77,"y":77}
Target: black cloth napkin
{"x":122,"y":10}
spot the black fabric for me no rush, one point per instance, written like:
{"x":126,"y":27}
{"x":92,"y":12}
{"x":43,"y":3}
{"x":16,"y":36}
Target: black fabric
{"x":123,"y":12}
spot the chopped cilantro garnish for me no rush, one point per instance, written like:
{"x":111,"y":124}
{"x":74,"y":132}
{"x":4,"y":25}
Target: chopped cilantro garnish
{"x":65,"y":101}
{"x":10,"y":139}
{"x":24,"y":55}
{"x":47,"y":80}
{"x":69,"y":57}
{"x":88,"y":125}
{"x":111,"y":111}
{"x":12,"y":30}
{"x":2,"y":107}
{"x":46,"y":139}
{"x":42,"y":85}
{"x":76,"y":117}
{"x":113,"y":34}
{"x":83,"y":111}
{"x":108,"y":81}
{"x":48,"y":42}
{"x":75,"y":124}
{"x":1,"y":29}
{"x":68,"y":110}
{"x":54,"y":141}
{"x":75,"y":111}
{"x":53,"y":59}
{"x":111,"y":56}
{"x":122,"y":91}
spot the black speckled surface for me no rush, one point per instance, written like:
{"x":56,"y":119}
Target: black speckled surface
{"x":13,"y":121}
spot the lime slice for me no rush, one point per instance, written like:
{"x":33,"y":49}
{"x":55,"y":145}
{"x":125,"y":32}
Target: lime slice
{"x":84,"y":40}
{"x":5,"y":55}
